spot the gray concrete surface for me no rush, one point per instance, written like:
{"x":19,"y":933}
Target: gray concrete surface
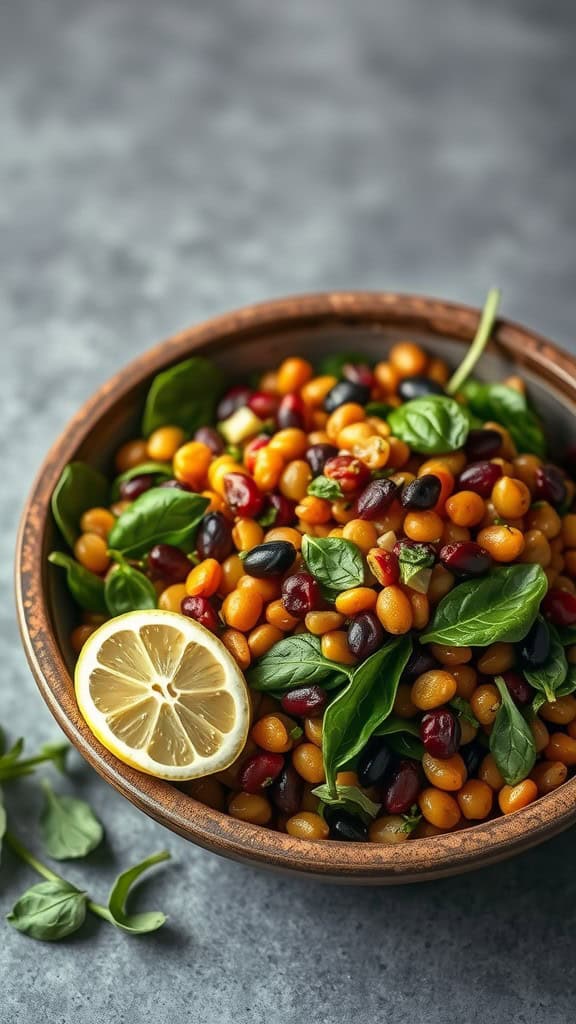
{"x":161,"y":162}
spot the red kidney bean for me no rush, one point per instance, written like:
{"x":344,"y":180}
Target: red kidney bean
{"x":440,"y":732}
{"x":359,"y":373}
{"x":305,"y":701}
{"x":560,"y":607}
{"x":402,"y":788}
{"x":465,"y":558}
{"x":300,"y":594}
{"x":480,"y":477}
{"x":365,"y":635}
{"x":214,"y":537}
{"x":252,"y":448}
{"x":291,"y":412}
{"x":421,"y":493}
{"x":346,"y":391}
{"x":200,"y":609}
{"x":287,"y":790}
{"x":176,"y":484}
{"x":519,"y":689}
{"x":263,"y":404}
{"x":234,"y":399}
{"x":483,"y":444}
{"x":384,"y":566}
{"x":348,"y":471}
{"x":242,"y":495}
{"x":260,"y":771}
{"x":131,"y":489}
{"x":166,"y":562}
{"x":211,"y":438}
{"x":376,"y":499}
{"x":284,"y":508}
{"x":551,"y":485}
{"x":318,"y":455}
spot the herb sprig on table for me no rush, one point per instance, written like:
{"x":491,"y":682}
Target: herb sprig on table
{"x":69,"y":829}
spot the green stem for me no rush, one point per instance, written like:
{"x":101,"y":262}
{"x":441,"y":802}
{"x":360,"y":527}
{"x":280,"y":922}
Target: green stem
{"x":479,"y":343}
{"x":28,"y":857}
{"x":24,"y":767}
{"x":100,"y":911}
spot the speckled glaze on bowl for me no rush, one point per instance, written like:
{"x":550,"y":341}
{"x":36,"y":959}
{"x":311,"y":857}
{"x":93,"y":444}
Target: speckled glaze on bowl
{"x":243,"y":341}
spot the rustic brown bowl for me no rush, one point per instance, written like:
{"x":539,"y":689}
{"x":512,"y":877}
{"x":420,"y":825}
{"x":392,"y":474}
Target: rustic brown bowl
{"x":243,"y":341}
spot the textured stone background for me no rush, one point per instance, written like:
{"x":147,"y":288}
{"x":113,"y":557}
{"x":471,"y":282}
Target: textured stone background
{"x":161,"y":162}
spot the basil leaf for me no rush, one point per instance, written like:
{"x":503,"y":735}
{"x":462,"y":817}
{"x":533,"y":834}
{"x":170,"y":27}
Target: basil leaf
{"x":68,"y":826}
{"x":549,"y":678}
{"x":432,"y":425}
{"x":184,"y":396}
{"x":566,"y":635}
{"x":269,"y":516}
{"x":354,"y":715}
{"x":128,"y":590}
{"x":333,"y":365}
{"x":157,"y":469}
{"x":116,"y":913}
{"x":57,"y":753}
{"x":511,"y":740}
{"x":159,"y":516}
{"x":350,"y":799}
{"x":412,"y":819}
{"x":500,"y":606}
{"x":416,"y":561}
{"x":80,"y":487}
{"x":323,"y":487}
{"x":337,"y":564}
{"x":86,"y":587}
{"x":463,"y":710}
{"x":49,"y":911}
{"x":380,"y":409}
{"x":510,"y":408}
{"x":292,"y":661}
{"x":3,"y":821}
{"x":403,"y":737}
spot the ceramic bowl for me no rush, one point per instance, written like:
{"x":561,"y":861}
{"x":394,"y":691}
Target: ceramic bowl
{"x":244,"y":341}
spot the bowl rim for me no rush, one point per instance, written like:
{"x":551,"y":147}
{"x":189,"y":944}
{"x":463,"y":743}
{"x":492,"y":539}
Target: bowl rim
{"x":446,"y":854}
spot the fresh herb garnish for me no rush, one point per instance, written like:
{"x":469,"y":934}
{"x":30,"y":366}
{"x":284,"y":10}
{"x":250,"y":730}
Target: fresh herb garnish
{"x":69,"y":827}
{"x":184,"y":396}
{"x":549,"y":678}
{"x":510,"y":408}
{"x":500,"y":606}
{"x":79,"y":488}
{"x":415,"y":562}
{"x":294,"y":660}
{"x":402,"y":737}
{"x":127,"y":589}
{"x":160,"y":470}
{"x":337,"y":564}
{"x":323,"y":487}
{"x":433,"y":425}
{"x":350,"y":799}
{"x":86,"y":587}
{"x":511,"y":741}
{"x":159,"y":516}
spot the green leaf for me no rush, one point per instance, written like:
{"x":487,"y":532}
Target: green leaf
{"x":86,"y":587}
{"x":412,"y":819}
{"x":337,"y":564}
{"x":49,"y":911}
{"x":511,"y":740}
{"x":433,"y":425}
{"x":348,"y":798}
{"x":184,"y":396}
{"x":355,"y":714}
{"x":463,"y":710}
{"x":510,"y":408}
{"x":333,"y":365}
{"x":57,"y":753}
{"x":323,"y":487}
{"x":549,"y":678}
{"x":128,"y":590}
{"x":481,"y":339}
{"x":380,"y":409}
{"x":268,"y":517}
{"x":500,"y":606}
{"x":566,"y":635}
{"x":80,"y":487}
{"x":139,"y":924}
{"x":292,"y":661}
{"x":2,"y":741}
{"x":159,"y":516}
{"x":3,"y":821}
{"x":416,"y":561}
{"x":68,"y":826}
{"x":402,"y":737}
{"x":157,"y":469}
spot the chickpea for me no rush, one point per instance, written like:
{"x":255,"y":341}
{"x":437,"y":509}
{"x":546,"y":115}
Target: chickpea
{"x":390,"y":830}
{"x":237,"y":644}
{"x":568,"y":527}
{"x":247,"y":534}
{"x":441,"y":583}
{"x":536,"y":549}
{"x":313,"y":730}
{"x":314,"y":511}
{"x":548,"y":775}
{"x":408,"y":359}
{"x":170,"y":599}
{"x":131,"y":454}
{"x":250,"y":807}
{"x":485,"y":703}
{"x":97,"y":520}
{"x":270,"y":733}
{"x":268,"y":587}
{"x":399,"y":453}
{"x":91,"y":550}
{"x":307,"y":825}
{"x":356,"y":600}
{"x":452,"y":533}
{"x":394,"y":610}
{"x":466,"y":680}
{"x":544,"y":518}
{"x":433,"y":689}
{"x":489,"y":773}
{"x":403,"y":705}
{"x":361,"y":533}
{"x":420,"y":609}
{"x":204,"y":579}
{"x":307,"y":760}
{"x":79,"y":636}
{"x":439,"y":808}
{"x":540,"y":733}
{"x":295,"y":479}
{"x":268,"y":468}
{"x":475,"y":800}
{"x":423,"y":526}
{"x":561,"y":748}
{"x":232,"y":572}
{"x":504,"y":543}
{"x":293,"y":374}
{"x":291,"y":443}
{"x":496,"y":659}
{"x":288,"y":533}
{"x":314,"y":393}
{"x":561,"y":711}
{"x":526,"y":468}
{"x":164,"y":442}
{"x":191,"y":463}
{"x":445,"y":773}
{"x":451,"y":655}
{"x":466,"y":508}
{"x":513,"y":798}
{"x":387,"y":377}
{"x":511,"y":497}
{"x":262,"y":638}
{"x":319,"y":623}
{"x":342,"y":417}
{"x":241,"y":609}
{"x":277,"y":615}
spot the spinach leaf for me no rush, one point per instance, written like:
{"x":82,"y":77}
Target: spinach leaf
{"x":349,"y":798}
{"x":549,"y":678}
{"x":354,"y":715}
{"x":416,"y":561}
{"x":68,"y":826}
{"x":566,"y":635}
{"x":159,"y":516}
{"x":510,"y":408}
{"x":333,"y":365}
{"x":337,"y":564}
{"x":380,"y":409}
{"x":184,"y":396}
{"x":292,"y":661}
{"x":86,"y":587}
{"x":500,"y":606}
{"x":511,"y":740}
{"x":432,"y":425}
{"x":323,"y":487}
{"x":80,"y":487}
{"x":128,"y":590}
{"x":403,"y":737}
{"x":116,"y":913}
{"x":463,"y":710}
{"x":49,"y":910}
{"x":157,"y":469}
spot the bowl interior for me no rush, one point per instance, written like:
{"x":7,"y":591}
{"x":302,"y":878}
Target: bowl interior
{"x":112,"y":417}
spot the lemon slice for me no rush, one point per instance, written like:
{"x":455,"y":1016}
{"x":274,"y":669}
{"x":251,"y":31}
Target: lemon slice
{"x":163,"y":694}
